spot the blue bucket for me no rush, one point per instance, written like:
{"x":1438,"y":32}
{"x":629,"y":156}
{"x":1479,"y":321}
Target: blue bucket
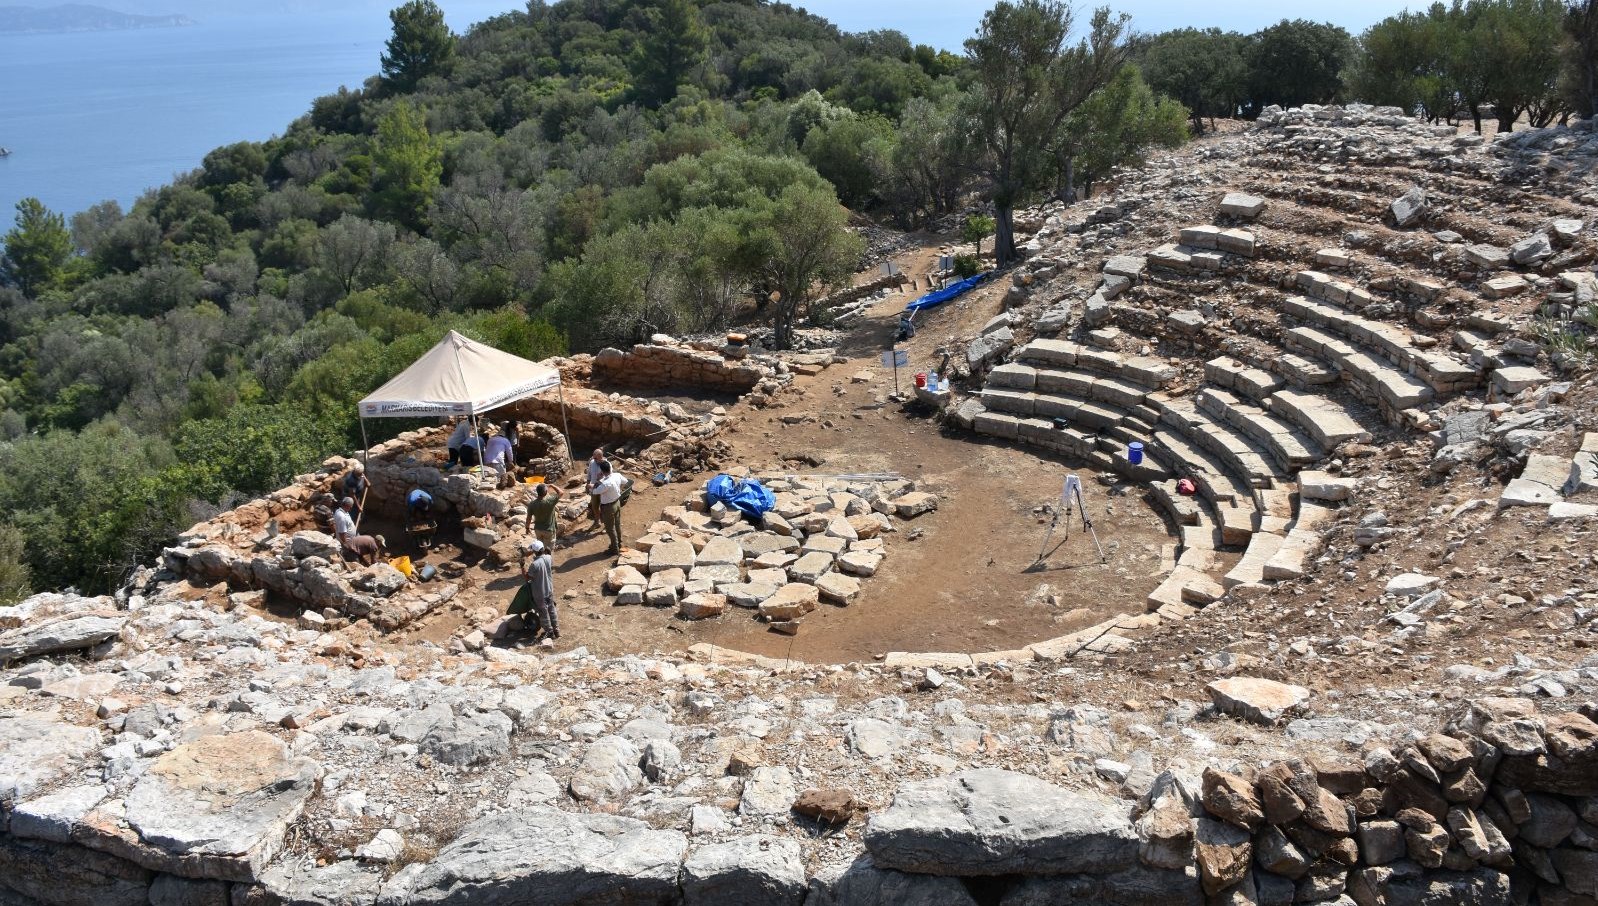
{"x":1134,"y":453}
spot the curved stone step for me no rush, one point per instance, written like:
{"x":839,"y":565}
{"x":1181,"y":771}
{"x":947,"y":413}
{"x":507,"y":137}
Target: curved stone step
{"x":1097,"y":449}
{"x":1251,"y":569}
{"x":1229,"y":496}
{"x":1304,"y":372}
{"x":1076,"y":411}
{"x":1241,"y":455}
{"x":1254,"y":383}
{"x":1183,"y":509}
{"x":1302,"y":543}
{"x":1325,"y":420}
{"x":1287,"y":445}
{"x":1151,"y":373}
{"x":1397,"y":389}
{"x":1174,"y":450}
{"x":1185,"y":590}
{"x":1439,"y":371}
{"x":1222,"y":239}
{"x":1275,"y":509}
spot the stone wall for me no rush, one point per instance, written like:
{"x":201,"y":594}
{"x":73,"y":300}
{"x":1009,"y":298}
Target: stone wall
{"x":660,"y":365}
{"x":1499,"y":808}
{"x":594,"y":418}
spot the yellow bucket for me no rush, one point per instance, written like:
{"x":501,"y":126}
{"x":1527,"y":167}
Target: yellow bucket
{"x":534,"y":479}
{"x":404,"y":565}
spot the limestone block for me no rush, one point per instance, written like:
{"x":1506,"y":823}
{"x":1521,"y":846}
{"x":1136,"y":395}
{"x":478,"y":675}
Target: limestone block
{"x":1244,"y":207}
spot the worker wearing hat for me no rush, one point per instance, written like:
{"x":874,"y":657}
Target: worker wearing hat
{"x":537,"y":594}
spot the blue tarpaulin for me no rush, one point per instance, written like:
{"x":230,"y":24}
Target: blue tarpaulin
{"x":939,"y":296}
{"x":745,"y":495}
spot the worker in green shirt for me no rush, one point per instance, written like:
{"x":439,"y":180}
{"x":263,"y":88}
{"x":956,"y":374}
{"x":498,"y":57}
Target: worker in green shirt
{"x":541,"y":515}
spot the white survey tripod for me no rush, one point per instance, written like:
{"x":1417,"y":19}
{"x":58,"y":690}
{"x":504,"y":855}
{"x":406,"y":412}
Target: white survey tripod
{"x":1071,"y":496}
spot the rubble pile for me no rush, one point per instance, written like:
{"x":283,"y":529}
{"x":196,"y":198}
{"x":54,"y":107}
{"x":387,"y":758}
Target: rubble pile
{"x":816,"y":545}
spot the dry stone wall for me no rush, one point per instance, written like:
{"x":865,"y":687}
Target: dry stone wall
{"x":594,"y":417}
{"x":662,"y":365}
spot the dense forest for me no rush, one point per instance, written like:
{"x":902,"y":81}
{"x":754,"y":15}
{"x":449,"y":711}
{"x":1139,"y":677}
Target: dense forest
{"x":577,"y":174}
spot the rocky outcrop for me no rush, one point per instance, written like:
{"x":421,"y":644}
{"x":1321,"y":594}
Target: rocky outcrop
{"x":236,"y":755}
{"x":60,"y":634}
{"x":992,"y":822}
{"x":547,"y":856}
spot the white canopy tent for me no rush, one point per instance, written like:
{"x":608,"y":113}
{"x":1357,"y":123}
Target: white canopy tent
{"x":461,"y":377}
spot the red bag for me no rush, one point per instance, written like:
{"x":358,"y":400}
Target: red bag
{"x":1185,"y":487}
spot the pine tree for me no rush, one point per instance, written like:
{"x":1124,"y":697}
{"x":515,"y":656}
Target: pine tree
{"x":37,"y":247}
{"x":421,"y":44}
{"x":673,"y":45}
{"x":407,"y":163}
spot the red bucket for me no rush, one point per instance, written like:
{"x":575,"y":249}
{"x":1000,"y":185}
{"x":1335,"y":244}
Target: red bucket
{"x":921,"y":379}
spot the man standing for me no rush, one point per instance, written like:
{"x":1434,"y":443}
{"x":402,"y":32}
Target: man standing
{"x":344,"y":522}
{"x":595,"y":473}
{"x":541,"y":519}
{"x":608,"y":494}
{"x":540,"y":585}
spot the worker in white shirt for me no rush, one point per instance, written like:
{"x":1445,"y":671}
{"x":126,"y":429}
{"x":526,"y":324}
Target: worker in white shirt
{"x":364,"y":548}
{"x":595,"y":462}
{"x":344,"y":521}
{"x":609,"y":493}
{"x":498,"y":457}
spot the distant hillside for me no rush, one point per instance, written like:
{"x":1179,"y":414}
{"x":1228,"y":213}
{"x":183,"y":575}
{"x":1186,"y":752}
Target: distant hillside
{"x":79,"y":17}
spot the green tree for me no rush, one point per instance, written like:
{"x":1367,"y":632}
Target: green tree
{"x":853,"y":154}
{"x":37,"y":248}
{"x":1514,"y":44}
{"x":235,"y":163}
{"x":673,"y":45}
{"x":805,"y":245}
{"x":253,"y":449}
{"x":977,"y":227}
{"x":92,"y":504}
{"x":1027,"y":82}
{"x":1580,"y":54}
{"x":420,"y":45}
{"x":1203,"y":69}
{"x":1297,"y":62}
{"x":15,"y":577}
{"x":1410,"y":60}
{"x":1116,"y":127}
{"x":407,"y":164}
{"x":928,"y":169}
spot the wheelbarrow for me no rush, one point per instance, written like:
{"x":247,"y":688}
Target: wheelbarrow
{"x":422,"y":533}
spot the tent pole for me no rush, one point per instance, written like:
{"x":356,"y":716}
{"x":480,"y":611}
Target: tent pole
{"x":477,"y":439}
{"x":560,"y":390}
{"x":366,"y":469}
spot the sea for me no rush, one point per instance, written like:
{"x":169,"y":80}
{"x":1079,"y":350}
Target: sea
{"x":92,"y":116}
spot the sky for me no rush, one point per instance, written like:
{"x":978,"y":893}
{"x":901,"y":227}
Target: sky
{"x":947,"y":23}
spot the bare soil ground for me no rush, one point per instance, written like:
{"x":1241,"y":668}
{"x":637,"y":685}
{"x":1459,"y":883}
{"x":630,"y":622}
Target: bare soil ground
{"x":960,"y":579}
